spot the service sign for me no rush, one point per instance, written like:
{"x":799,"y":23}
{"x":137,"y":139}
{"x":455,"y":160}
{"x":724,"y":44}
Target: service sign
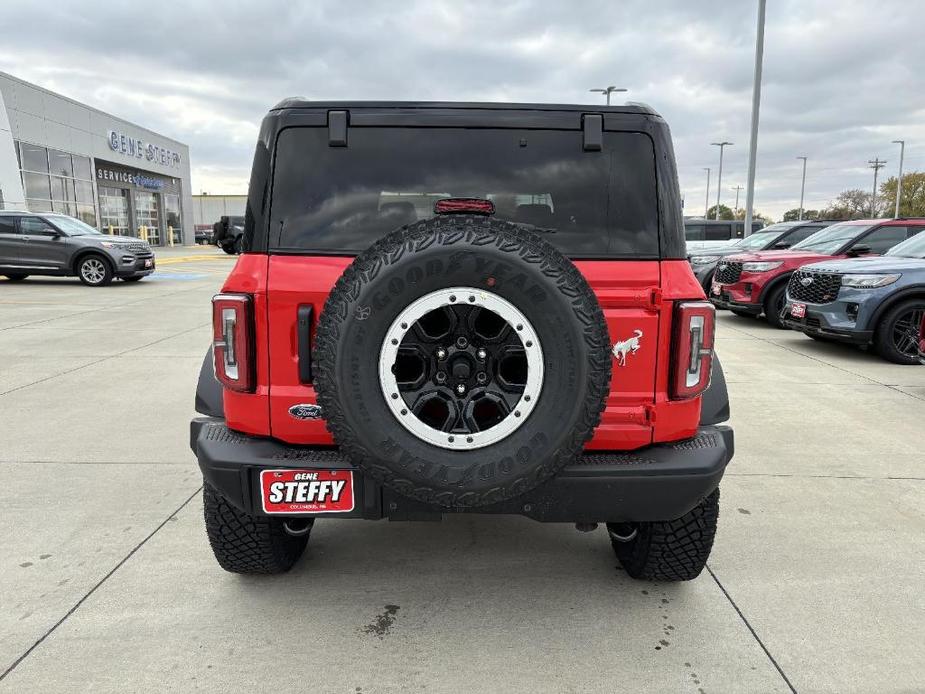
{"x":306,"y":491}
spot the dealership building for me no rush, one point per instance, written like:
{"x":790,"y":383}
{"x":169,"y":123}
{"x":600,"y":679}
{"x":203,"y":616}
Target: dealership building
{"x":58,"y":155}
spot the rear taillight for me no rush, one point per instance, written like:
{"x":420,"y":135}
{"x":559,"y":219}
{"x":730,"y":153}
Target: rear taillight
{"x":233,"y":341}
{"x":692,"y":347}
{"x":464,"y":206}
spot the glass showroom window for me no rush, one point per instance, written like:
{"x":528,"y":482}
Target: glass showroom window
{"x":69,"y":188}
{"x":114,"y":213}
{"x":172,"y":214}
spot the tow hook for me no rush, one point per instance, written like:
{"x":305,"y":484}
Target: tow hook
{"x":585,"y":527}
{"x":297,"y":527}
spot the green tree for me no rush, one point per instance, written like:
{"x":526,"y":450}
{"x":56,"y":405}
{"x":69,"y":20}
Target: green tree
{"x":794,"y":214}
{"x":855,"y":204}
{"x":912,"y":202}
{"x":724,"y":212}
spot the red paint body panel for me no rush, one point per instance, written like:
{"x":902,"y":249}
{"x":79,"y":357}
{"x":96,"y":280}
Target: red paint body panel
{"x":250,"y":412}
{"x":631,"y":294}
{"x":790,"y":261}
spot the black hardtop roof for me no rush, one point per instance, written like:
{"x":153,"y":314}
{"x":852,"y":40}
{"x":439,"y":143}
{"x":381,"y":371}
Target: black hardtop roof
{"x":298,"y":102}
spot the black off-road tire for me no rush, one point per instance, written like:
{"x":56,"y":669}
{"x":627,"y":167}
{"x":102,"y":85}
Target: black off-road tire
{"x":774,"y":304}
{"x":674,"y":550}
{"x":15,"y":276}
{"x":487,"y":255}
{"x":883,"y":335}
{"x":246,"y":544}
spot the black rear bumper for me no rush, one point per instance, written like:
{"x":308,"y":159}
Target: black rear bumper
{"x":660,"y":482}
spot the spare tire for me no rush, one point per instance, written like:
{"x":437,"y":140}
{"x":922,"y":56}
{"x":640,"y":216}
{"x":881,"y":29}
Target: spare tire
{"x":461,"y":361}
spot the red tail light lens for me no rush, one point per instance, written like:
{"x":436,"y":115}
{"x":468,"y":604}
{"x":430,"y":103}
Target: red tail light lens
{"x":692,"y":346}
{"x":233,"y":341}
{"x":464,"y":206}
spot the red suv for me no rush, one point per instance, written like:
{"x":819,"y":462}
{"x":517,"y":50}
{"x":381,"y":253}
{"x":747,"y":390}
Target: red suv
{"x":424,"y":320}
{"x":749,"y":284}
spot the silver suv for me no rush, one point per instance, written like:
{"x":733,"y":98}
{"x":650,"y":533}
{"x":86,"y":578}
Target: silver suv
{"x":55,"y":244}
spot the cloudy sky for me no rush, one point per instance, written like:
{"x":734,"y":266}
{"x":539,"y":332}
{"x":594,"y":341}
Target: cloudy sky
{"x":842,"y":78}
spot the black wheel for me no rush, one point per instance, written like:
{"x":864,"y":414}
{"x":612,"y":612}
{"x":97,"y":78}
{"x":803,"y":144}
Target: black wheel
{"x":133,"y":279}
{"x":774,"y":304}
{"x":15,"y":276}
{"x":94,"y":270}
{"x":742,"y":314}
{"x":462,"y":361}
{"x":674,"y":550}
{"x":897,"y":335}
{"x":245,"y":544}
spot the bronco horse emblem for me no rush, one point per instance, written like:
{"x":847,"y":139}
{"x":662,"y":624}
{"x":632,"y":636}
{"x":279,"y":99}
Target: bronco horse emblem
{"x":628,"y":346}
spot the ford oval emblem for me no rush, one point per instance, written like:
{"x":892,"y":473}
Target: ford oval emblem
{"x":305,"y":411}
{"x":806,"y":281}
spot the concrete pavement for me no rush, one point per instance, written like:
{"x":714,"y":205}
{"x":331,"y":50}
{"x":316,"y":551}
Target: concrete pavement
{"x":107,"y":582}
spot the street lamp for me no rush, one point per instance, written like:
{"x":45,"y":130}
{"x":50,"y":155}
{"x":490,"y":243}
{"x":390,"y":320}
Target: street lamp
{"x":736,"y":189}
{"x":756,"y":104}
{"x":899,"y":179}
{"x":607,"y":91}
{"x":802,"y":187}
{"x":706,"y":203}
{"x":719,"y":175}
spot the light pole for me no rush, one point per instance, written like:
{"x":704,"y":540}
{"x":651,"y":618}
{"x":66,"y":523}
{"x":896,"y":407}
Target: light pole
{"x":802,"y":187}
{"x":876,"y":164}
{"x":736,"y":189}
{"x":719,"y":175}
{"x":899,"y":179}
{"x":756,"y":104}
{"x":706,"y":204}
{"x":607,"y":91}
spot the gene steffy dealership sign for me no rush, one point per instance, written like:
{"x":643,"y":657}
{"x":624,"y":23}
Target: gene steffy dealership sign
{"x":136,"y":147}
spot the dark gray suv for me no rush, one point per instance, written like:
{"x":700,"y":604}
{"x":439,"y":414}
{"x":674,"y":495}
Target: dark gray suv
{"x":55,"y":244}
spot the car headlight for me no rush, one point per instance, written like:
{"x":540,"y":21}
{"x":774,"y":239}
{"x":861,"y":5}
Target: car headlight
{"x":763,"y":266}
{"x":868,"y":281}
{"x":109,"y":244}
{"x":703,"y":259}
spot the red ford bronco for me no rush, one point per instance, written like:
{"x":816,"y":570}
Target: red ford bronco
{"x":463,"y":308}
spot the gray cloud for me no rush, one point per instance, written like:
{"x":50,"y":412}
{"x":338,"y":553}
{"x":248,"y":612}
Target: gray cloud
{"x":842,"y":78}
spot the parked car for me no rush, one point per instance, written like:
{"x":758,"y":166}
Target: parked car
{"x":438,"y":353}
{"x":58,"y":245}
{"x":876,"y":300}
{"x":702,"y":234}
{"x":203,"y":235}
{"x":227,"y":233}
{"x":777,"y":236}
{"x":750,"y":284}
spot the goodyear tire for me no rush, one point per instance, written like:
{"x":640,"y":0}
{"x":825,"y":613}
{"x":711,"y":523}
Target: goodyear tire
{"x":675,"y":550}
{"x":461,"y":361}
{"x":246,"y":544}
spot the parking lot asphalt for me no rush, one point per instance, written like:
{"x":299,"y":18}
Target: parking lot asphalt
{"x":107,"y":583}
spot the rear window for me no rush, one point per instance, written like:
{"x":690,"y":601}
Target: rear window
{"x":341,"y":199}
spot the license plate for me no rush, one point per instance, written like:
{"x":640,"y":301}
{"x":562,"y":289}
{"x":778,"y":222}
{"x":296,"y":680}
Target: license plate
{"x":306,"y":491}
{"x":798,"y":310}
{"x":148,"y":262}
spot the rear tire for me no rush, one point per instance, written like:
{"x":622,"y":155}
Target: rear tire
{"x":94,"y":270}
{"x":896,"y":336}
{"x":246,"y":544}
{"x":774,"y":304}
{"x":674,"y":550}
{"x":15,"y":277}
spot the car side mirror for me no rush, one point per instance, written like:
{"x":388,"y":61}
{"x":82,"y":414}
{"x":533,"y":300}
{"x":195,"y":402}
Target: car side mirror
{"x":782,"y":245}
{"x":860,"y":249}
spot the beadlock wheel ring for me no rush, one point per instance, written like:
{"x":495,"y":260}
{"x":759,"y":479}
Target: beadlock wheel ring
{"x":461,"y":438}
